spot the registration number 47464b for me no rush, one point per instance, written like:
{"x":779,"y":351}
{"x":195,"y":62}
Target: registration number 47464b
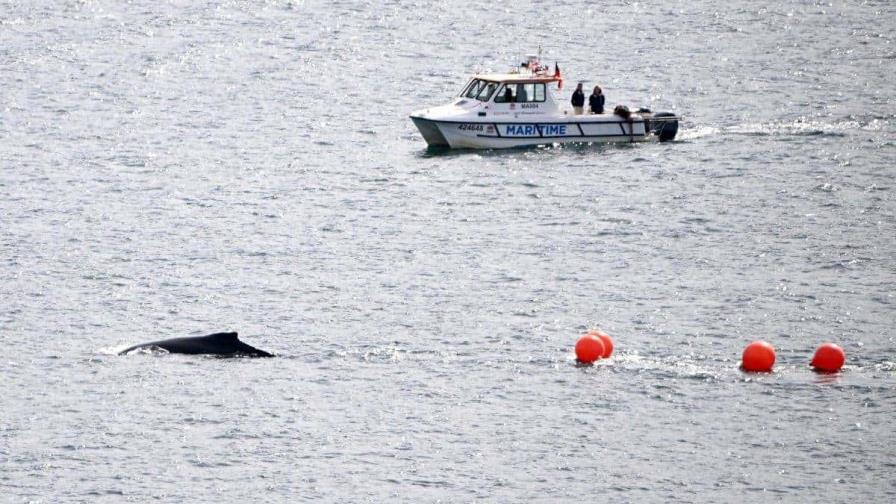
{"x":470,"y":127}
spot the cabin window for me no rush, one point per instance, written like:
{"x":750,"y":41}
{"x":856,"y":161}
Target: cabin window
{"x":522,"y":94}
{"x":531,"y":92}
{"x":467,"y":86}
{"x":487,"y":90}
{"x":539,"y":92}
{"x":473,"y":89}
{"x":505,"y":94}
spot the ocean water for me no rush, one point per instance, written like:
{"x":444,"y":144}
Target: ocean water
{"x":181,"y":168}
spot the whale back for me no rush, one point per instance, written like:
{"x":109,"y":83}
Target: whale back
{"x":225,"y":344}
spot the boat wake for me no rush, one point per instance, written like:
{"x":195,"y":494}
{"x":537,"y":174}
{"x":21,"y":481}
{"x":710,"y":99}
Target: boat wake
{"x":810,"y":127}
{"x":697,"y":133}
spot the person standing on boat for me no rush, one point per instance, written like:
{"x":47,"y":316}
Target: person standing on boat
{"x":596,"y":101}
{"x":578,"y":100}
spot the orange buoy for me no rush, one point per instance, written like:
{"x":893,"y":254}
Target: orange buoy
{"x":606,"y":340}
{"x":828,"y":358}
{"x":589,"y":348}
{"x":759,"y":357}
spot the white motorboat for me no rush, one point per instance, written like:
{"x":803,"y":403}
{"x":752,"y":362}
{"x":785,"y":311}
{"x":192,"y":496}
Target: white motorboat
{"x":520,"y":108}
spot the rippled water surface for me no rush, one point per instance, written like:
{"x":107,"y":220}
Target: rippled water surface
{"x":180,"y":168}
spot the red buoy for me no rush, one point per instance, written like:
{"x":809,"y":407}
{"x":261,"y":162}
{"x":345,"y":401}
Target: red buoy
{"x":589,"y":348}
{"x":759,"y":357}
{"x":606,"y":340}
{"x":828,"y":358}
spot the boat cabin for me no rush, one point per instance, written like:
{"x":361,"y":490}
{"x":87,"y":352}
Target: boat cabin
{"x":512,"y":93}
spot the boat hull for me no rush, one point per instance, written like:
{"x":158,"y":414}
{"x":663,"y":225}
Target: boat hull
{"x":502,"y":135}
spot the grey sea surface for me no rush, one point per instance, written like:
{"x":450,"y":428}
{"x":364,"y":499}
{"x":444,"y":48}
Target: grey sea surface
{"x":182,"y":168}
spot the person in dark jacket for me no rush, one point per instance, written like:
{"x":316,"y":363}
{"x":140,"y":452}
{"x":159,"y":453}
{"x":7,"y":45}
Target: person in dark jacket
{"x":578,"y":100}
{"x":596,"y":101}
{"x":508,"y":95}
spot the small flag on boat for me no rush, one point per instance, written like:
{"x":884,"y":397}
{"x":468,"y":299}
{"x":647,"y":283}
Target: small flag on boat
{"x":557,"y":75}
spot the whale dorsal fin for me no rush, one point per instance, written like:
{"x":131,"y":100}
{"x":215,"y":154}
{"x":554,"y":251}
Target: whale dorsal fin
{"x":229,"y":337}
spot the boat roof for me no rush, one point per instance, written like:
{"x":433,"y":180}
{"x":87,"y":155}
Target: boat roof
{"x":517,"y":77}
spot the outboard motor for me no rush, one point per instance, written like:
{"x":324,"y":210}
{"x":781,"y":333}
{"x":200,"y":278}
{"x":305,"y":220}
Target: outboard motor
{"x":664,"y":125}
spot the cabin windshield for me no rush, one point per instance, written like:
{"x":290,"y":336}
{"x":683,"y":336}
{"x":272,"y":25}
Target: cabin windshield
{"x":479,"y":89}
{"x":521,"y":93}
